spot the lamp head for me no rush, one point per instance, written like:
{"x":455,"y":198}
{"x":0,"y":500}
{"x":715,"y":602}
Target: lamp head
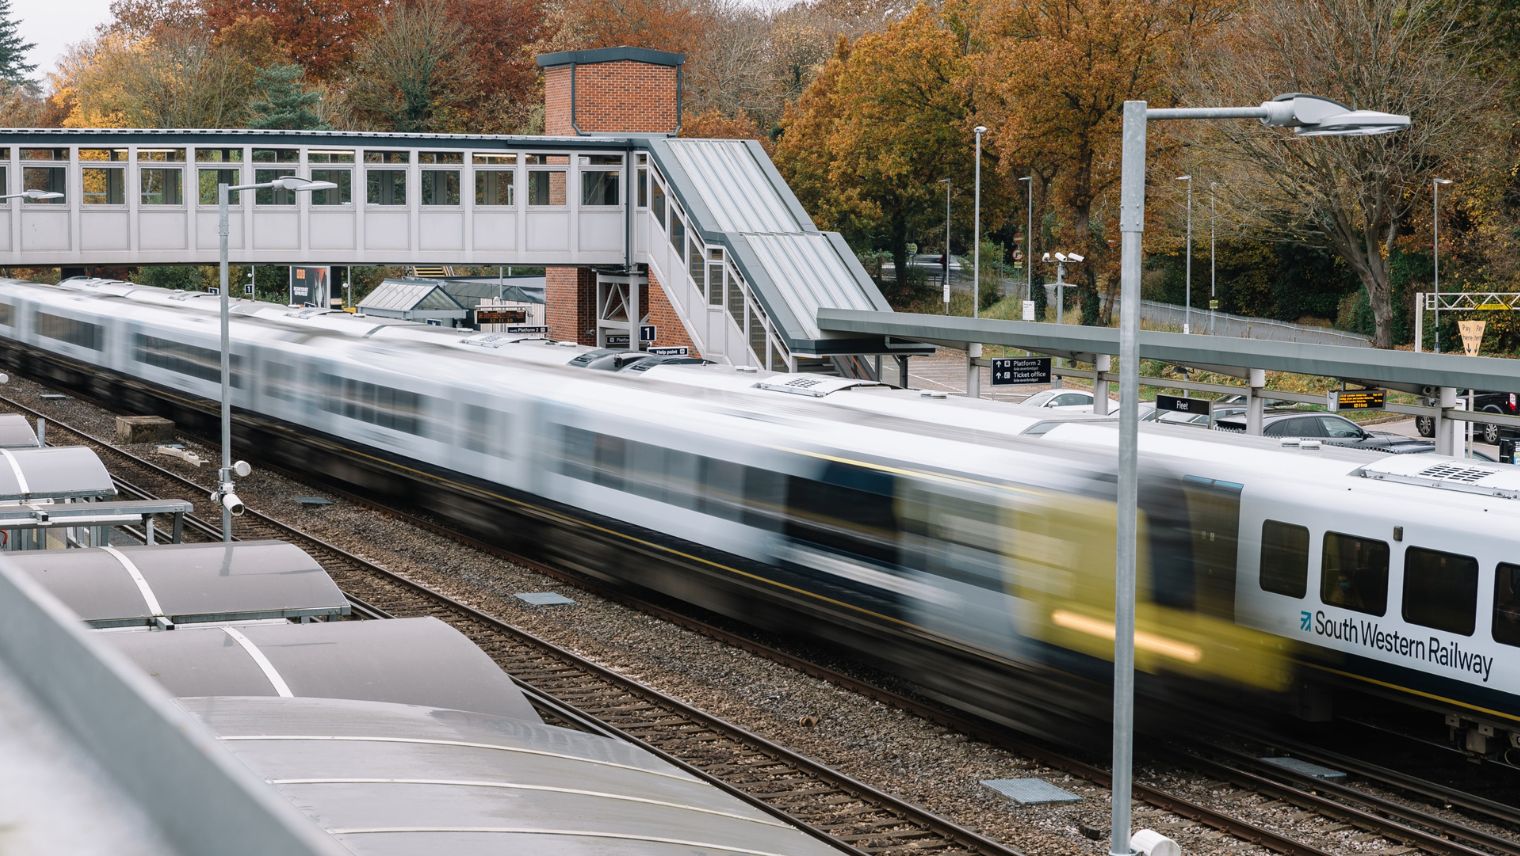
{"x":41,"y":194}
{"x":1184,"y":178}
{"x":980,"y":130}
{"x":295,"y":183}
{"x":1028,"y":178}
{"x":1312,"y":116}
{"x":1441,"y":180}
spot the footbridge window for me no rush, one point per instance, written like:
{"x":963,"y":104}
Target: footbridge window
{"x":336,"y":166}
{"x":657,"y":201}
{"x":104,"y":181}
{"x":274,"y":195}
{"x":495,"y":178}
{"x":383,"y":185}
{"x":53,"y":179}
{"x":548,"y":176}
{"x":440,"y":177}
{"x":160,"y":184}
{"x":601,"y":180}
{"x":207,"y":178}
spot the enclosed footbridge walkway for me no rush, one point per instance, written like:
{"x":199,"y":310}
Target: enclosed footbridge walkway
{"x":712,"y":224}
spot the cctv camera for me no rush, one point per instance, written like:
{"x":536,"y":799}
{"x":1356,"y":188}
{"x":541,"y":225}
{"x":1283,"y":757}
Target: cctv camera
{"x":1060,"y":257}
{"x":231,"y":502}
{"x":1073,"y":257}
{"x":1045,"y":257}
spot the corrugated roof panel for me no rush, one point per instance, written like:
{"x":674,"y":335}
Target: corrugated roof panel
{"x":734,"y":186}
{"x":396,"y":296}
{"x":813,"y":273}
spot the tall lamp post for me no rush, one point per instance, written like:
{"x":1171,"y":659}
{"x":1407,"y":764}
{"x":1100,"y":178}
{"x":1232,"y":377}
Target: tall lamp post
{"x":1187,"y":317}
{"x":1435,"y":246}
{"x":1213,"y":223}
{"x":976,"y":229}
{"x":224,"y":493}
{"x":1029,"y":240}
{"x":1308,"y":116}
{"x":946,"y":271}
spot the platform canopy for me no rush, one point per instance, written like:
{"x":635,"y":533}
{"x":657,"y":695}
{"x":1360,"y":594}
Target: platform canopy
{"x":66,"y":472}
{"x":134,"y":586}
{"x":392,"y":779}
{"x":16,"y":432}
{"x":403,"y":660}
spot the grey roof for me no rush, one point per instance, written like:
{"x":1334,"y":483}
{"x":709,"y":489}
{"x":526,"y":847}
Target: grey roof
{"x":735,"y":198}
{"x":617,"y":54}
{"x":404,"y":660}
{"x":1226,"y":355}
{"x":407,"y":295}
{"x":183,"y":583}
{"x":393,"y":779}
{"x":65,"y":472}
{"x":16,"y":432}
{"x":469,"y":292}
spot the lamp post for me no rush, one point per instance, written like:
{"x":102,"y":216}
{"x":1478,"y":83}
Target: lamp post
{"x":976,"y":229}
{"x":1213,"y":222}
{"x":1308,"y":116}
{"x":1435,"y":246}
{"x":1029,"y":240}
{"x":946,"y":272}
{"x":224,"y":491}
{"x":1187,"y":317}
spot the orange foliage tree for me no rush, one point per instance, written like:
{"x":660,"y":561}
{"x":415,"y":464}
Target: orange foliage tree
{"x":320,"y":35}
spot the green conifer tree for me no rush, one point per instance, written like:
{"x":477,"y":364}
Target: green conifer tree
{"x":14,"y":69}
{"x":283,"y":103}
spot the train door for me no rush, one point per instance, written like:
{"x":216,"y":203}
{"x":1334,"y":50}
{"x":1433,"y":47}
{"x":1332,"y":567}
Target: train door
{"x":1214,"y":524}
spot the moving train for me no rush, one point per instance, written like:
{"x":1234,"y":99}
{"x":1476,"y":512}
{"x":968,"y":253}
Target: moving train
{"x":964,"y":545}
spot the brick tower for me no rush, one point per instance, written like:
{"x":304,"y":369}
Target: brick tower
{"x":606,"y":91}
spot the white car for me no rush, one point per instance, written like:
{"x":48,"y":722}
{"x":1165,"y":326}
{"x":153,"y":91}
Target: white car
{"x":1067,"y":400}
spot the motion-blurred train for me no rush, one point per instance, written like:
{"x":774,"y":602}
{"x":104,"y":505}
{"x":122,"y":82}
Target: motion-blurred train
{"x":965,"y":545}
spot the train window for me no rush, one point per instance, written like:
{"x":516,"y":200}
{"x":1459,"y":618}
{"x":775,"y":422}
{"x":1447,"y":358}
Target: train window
{"x":722,"y":488}
{"x":485,"y":430}
{"x":575,"y":454}
{"x":1440,"y":590}
{"x":177,"y":357}
{"x":396,"y":409}
{"x":848,"y":518}
{"x":70,"y":330}
{"x":646,"y":473}
{"x":280,"y":381}
{"x":1507,"y":604}
{"x":1354,"y":573}
{"x":7,"y":315}
{"x":1284,"y":558}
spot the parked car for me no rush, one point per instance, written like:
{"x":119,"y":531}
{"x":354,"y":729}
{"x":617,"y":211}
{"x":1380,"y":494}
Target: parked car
{"x":1505,"y":403}
{"x":1330,"y":429}
{"x":1201,"y":420}
{"x":1078,"y":400}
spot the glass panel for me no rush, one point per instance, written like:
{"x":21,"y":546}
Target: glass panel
{"x":210,"y":178}
{"x":163,"y":155}
{"x":546,"y":187}
{"x":715,"y":285}
{"x":694,"y":262}
{"x":1507,"y":604}
{"x":272,"y":195}
{"x":1284,"y":558}
{"x":643,"y":180}
{"x":45,"y":154}
{"x":219,"y":155}
{"x":778,"y":357}
{"x":440,"y":187}
{"x":1354,"y":573}
{"x":104,"y":185}
{"x":494,"y":186}
{"x":276,"y":156}
{"x":677,"y":232}
{"x":385,"y":186}
{"x":601,"y":160}
{"x":735,"y":299}
{"x":1440,"y":590}
{"x":494,"y":158}
{"x":103,"y":154}
{"x":757,"y":332}
{"x":329,"y":156}
{"x":50,"y":178}
{"x":440,"y":157}
{"x":657,"y":203}
{"x":342,"y":195}
{"x":599,"y":187}
{"x":387,"y":157}
{"x":547,"y":160}
{"x":162,"y":186}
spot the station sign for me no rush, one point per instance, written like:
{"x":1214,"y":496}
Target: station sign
{"x":1356,"y":399}
{"x":672,"y":351}
{"x":1015,"y":370}
{"x":1028,"y":310}
{"x":248,"y":288}
{"x":1178,"y":404}
{"x":620,"y":340}
{"x":526,"y":328}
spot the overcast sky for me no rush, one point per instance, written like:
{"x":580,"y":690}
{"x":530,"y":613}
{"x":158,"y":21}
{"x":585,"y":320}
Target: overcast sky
{"x":55,"y":24}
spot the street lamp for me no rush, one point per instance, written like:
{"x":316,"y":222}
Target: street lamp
{"x":1213,"y":222}
{"x":224,"y":494}
{"x":1029,"y":240}
{"x":1435,"y":246}
{"x":946,"y":271}
{"x":33,"y":194}
{"x":976,"y":230}
{"x":1308,"y":116}
{"x":1187,"y":317}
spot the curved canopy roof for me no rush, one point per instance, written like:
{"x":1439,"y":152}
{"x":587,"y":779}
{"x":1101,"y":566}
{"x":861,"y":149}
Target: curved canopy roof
{"x":183,"y":583}
{"x":66,"y":472}
{"x":16,"y":432}
{"x":393,"y":779}
{"x":403,"y":660}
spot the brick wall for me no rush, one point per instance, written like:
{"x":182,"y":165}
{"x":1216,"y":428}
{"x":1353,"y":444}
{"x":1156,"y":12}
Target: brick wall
{"x":668,"y":328}
{"x":570,"y":304}
{"x":611,"y":97}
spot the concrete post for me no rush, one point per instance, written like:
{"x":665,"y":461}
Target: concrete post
{"x":1102,"y":365}
{"x":973,"y":371}
{"x":1255,"y":404}
{"x":1445,"y":427}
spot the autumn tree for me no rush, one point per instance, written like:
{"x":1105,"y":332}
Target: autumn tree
{"x":1350,"y":195}
{"x":885,"y":120}
{"x":500,"y":63}
{"x":666,"y":25}
{"x":412,"y":73}
{"x":319,"y":35}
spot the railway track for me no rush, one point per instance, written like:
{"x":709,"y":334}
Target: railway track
{"x":830,"y":804}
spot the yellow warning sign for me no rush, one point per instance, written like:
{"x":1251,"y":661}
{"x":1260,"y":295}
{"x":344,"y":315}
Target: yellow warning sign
{"x":1472,"y":336}
{"x":1491,"y":306}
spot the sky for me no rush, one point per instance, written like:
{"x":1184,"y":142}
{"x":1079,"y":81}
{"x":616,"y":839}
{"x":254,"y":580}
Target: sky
{"x":54,"y":25}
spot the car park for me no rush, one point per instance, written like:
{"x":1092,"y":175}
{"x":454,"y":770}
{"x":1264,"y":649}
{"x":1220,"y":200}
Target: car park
{"x":1502,"y":403}
{"x":1330,"y":429}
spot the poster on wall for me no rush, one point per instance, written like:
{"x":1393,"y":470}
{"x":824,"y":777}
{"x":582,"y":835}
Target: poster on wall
{"x":310,"y":285}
